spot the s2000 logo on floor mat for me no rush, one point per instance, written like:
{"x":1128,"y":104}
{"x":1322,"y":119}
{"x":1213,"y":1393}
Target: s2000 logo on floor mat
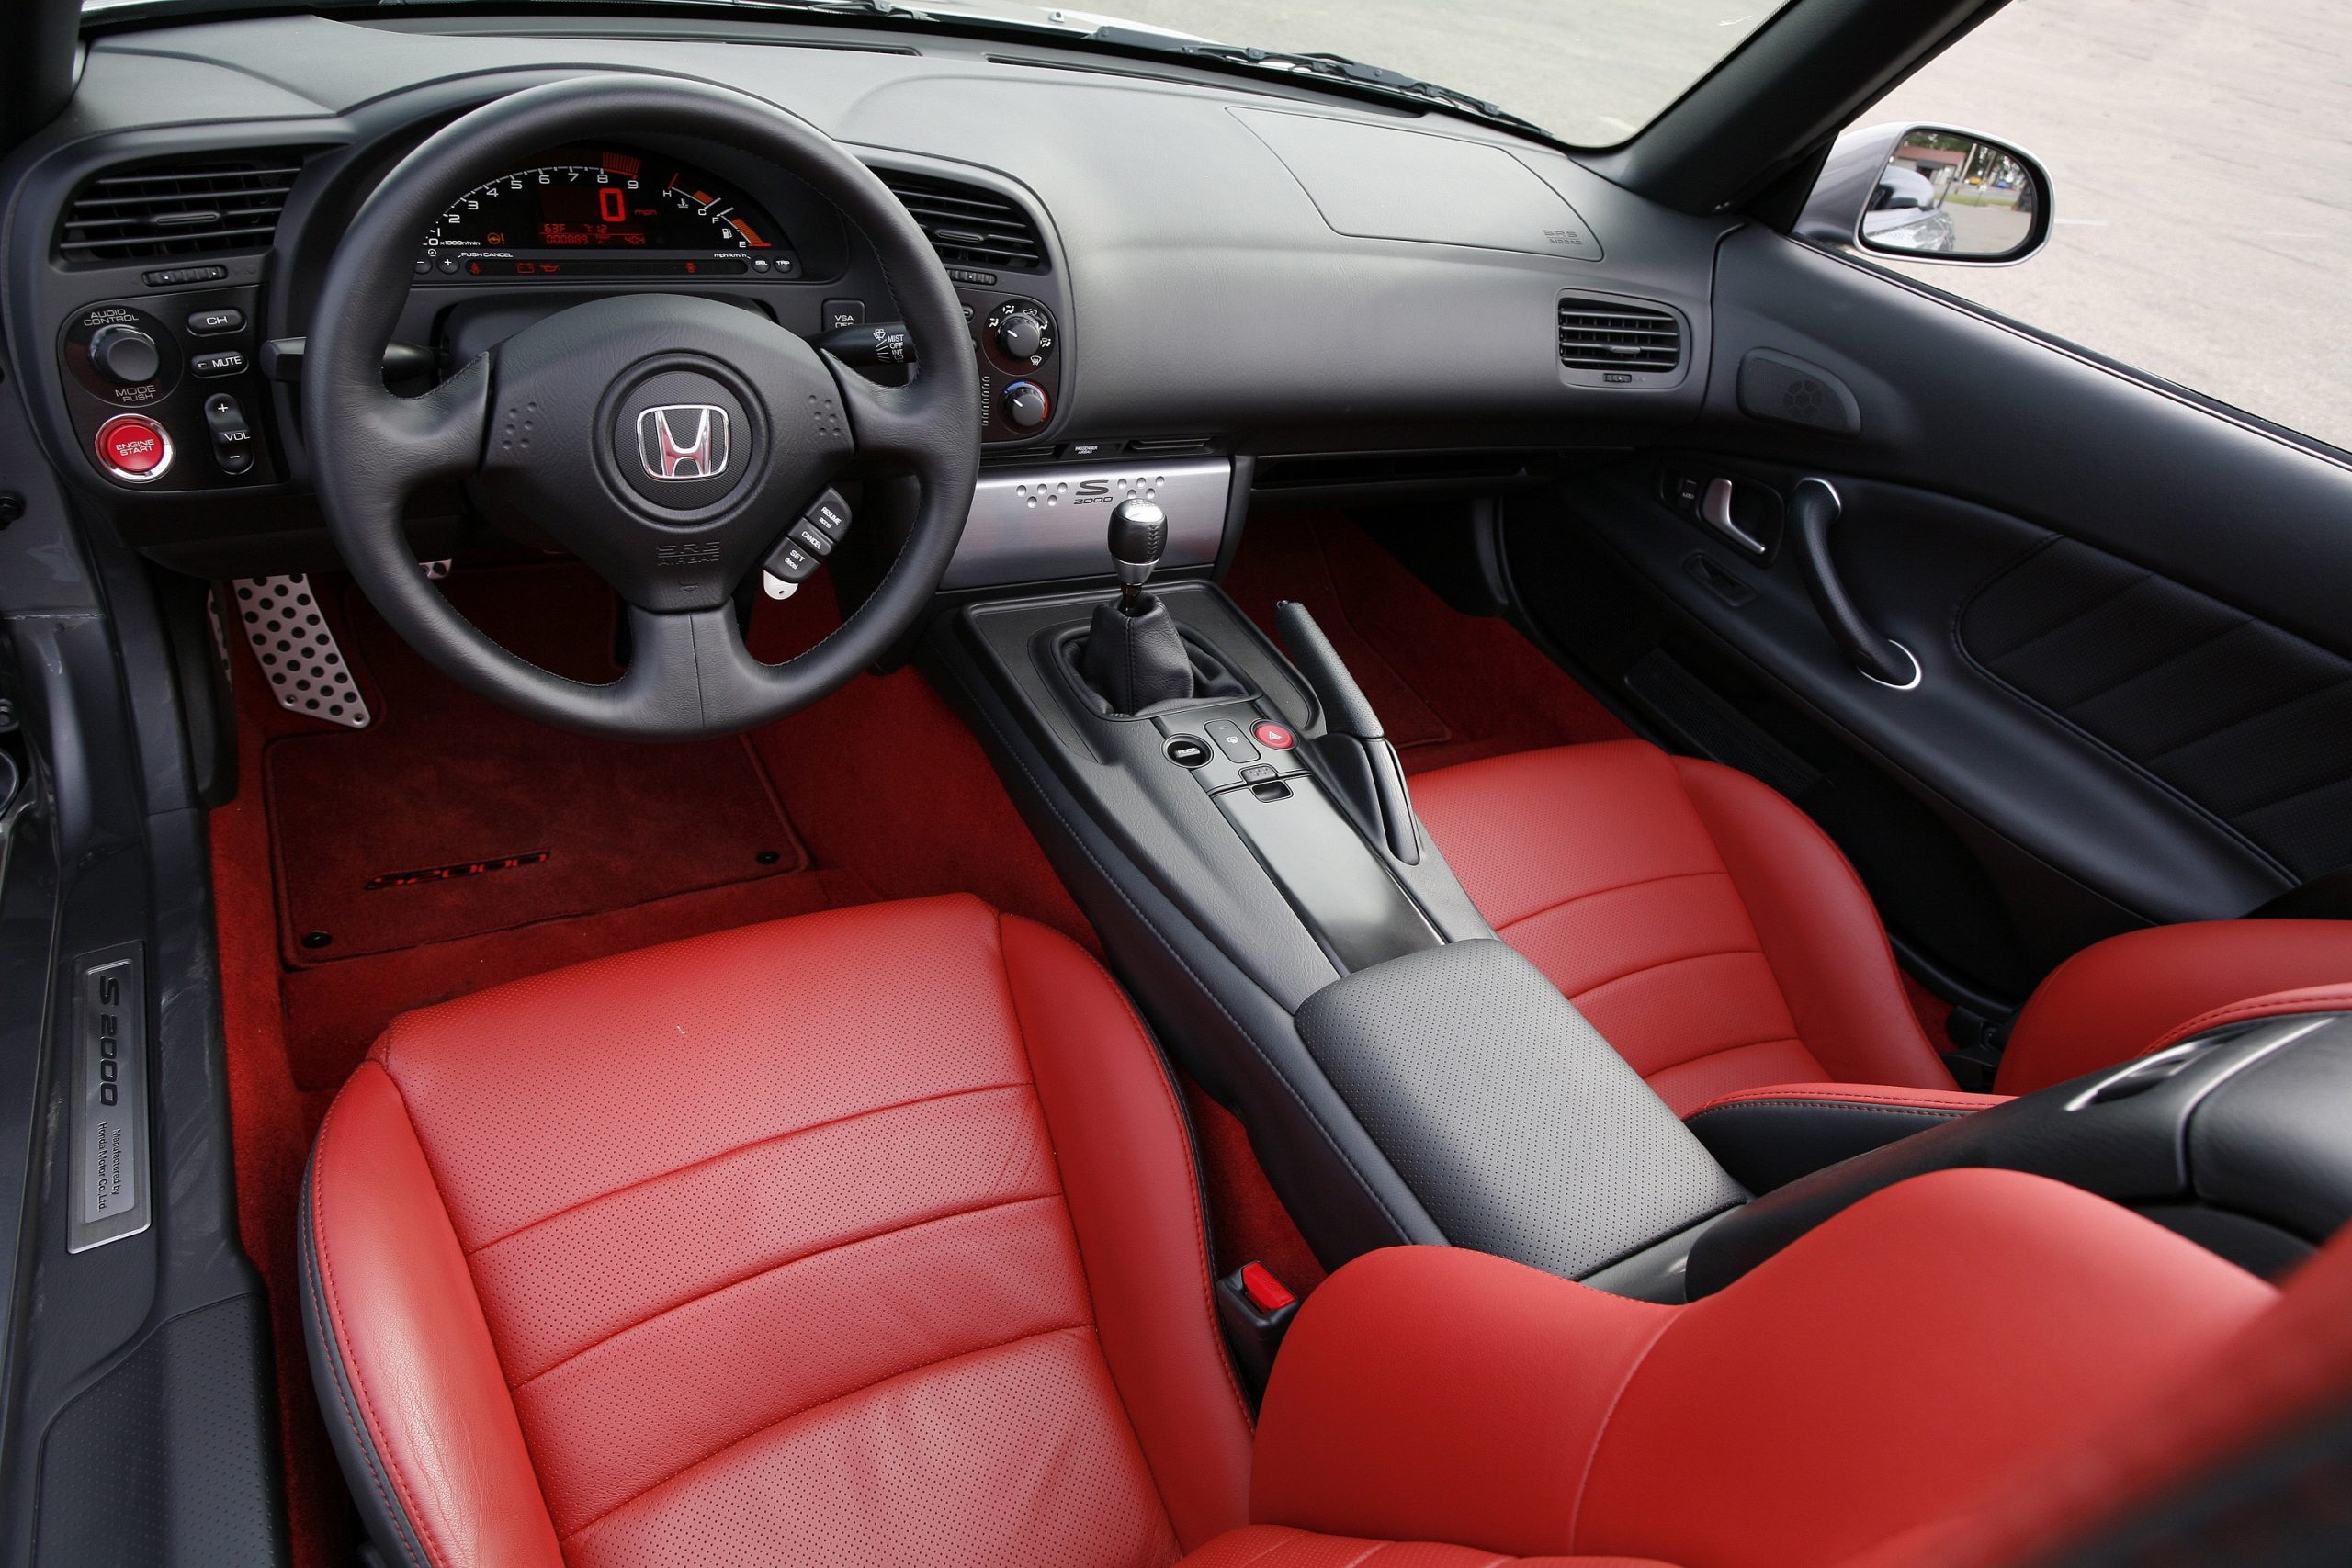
{"x":451,"y":872}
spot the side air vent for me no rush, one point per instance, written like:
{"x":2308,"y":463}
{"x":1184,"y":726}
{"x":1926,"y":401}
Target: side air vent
{"x":207,"y":206}
{"x":1607,"y":335}
{"x":969,"y":226}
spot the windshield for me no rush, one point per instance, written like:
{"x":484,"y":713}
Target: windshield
{"x":1588,"y":72}
{"x":1591,"y":73}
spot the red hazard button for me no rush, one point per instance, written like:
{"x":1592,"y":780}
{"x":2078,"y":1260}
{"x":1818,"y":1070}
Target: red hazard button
{"x":134,"y":447}
{"x":1274,"y":735}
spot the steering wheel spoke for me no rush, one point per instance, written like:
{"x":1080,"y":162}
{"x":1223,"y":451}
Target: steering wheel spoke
{"x":892,"y":424}
{"x":434,"y":437}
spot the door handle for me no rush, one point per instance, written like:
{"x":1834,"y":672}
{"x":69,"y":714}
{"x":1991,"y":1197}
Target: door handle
{"x":1813,"y":510}
{"x":1714,"y":510}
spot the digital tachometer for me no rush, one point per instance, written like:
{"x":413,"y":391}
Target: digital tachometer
{"x":584,"y":212}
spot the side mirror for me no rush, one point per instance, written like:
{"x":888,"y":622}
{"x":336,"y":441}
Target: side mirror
{"x":1929,"y":193}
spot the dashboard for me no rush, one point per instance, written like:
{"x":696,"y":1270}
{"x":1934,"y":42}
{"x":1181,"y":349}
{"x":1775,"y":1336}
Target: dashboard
{"x":1158,"y":267}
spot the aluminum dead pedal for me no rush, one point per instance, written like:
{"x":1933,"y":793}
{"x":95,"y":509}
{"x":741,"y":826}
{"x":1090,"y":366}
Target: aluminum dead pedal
{"x":297,"y":650}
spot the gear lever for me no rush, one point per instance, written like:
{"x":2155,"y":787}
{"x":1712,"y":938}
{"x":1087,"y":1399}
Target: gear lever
{"x":1138,"y":539}
{"x":1134,"y":656}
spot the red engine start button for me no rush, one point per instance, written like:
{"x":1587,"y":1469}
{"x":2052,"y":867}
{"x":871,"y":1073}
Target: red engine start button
{"x":1277,"y":735}
{"x":134,"y":447}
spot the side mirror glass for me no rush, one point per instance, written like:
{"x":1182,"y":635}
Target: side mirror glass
{"x":1929,"y":193}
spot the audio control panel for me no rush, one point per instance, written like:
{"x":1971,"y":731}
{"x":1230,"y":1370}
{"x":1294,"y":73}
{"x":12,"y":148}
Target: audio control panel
{"x":165,"y":393}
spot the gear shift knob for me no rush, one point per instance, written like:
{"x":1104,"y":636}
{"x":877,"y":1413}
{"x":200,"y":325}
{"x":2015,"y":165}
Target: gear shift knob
{"x":1138,"y":539}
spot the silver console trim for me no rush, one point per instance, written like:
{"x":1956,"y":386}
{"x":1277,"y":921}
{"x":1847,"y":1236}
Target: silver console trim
{"x":1043,"y":524}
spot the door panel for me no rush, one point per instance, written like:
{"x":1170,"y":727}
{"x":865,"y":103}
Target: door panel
{"x":2136,"y":702}
{"x":2252,"y":723}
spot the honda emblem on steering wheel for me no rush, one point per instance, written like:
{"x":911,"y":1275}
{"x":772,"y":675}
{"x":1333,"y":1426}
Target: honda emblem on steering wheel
{"x":683,"y":441}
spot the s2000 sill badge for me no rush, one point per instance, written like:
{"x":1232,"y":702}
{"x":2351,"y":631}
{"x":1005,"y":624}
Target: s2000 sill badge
{"x":109,"y":1097}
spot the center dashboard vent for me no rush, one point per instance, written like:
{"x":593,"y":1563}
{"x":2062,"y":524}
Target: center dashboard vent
{"x":204,"y":207}
{"x":1610,"y":336}
{"x":969,"y":226}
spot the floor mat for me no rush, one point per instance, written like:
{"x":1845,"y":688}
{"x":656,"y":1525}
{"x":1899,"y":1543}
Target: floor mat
{"x":451,"y":818}
{"x":1449,"y":687}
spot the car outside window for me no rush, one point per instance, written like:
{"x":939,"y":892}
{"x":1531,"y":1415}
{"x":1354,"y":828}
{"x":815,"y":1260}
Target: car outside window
{"x":1591,"y":73}
{"x":2202,"y":200}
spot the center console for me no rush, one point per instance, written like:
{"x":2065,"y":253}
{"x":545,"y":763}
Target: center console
{"x":1233,"y":820}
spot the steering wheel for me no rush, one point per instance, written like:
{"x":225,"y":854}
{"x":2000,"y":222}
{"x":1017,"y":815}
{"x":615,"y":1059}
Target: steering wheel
{"x":560,"y":421}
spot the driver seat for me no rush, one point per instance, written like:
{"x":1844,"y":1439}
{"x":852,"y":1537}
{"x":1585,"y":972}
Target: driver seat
{"x":870,"y":1237}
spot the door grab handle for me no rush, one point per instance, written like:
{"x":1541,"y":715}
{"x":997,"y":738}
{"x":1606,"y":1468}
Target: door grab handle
{"x":1813,"y":509}
{"x":1714,"y":510}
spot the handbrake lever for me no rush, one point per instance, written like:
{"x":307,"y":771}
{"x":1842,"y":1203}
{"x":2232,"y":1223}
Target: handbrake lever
{"x":1354,"y":745}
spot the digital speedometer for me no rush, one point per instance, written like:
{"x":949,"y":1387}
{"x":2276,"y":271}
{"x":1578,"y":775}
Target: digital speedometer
{"x":589,"y":212}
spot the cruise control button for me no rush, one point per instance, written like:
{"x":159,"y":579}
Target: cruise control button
{"x":813,"y":539}
{"x":1187,"y":751}
{"x":1277,"y":735}
{"x":132,"y":447}
{"x":829,"y":512}
{"x":1259,"y":773}
{"x":1229,"y":739}
{"x":212,"y":323}
{"x":792,"y":563}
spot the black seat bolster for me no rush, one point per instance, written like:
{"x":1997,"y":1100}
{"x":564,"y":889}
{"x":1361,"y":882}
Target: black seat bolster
{"x":1769,"y":1137}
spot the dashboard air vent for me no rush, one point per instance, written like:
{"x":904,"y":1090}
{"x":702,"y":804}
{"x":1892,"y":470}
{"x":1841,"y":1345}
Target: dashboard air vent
{"x":206,"y":207}
{"x":1599,"y":334}
{"x":969,"y":225}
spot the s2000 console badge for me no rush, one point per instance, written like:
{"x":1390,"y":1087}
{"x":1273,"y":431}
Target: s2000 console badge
{"x":683,"y":441}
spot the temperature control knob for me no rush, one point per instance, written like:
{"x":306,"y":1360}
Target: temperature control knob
{"x":1026,"y":405}
{"x":125,"y":356}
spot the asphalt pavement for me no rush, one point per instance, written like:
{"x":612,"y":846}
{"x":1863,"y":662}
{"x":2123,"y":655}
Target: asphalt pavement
{"x":2198,"y":148}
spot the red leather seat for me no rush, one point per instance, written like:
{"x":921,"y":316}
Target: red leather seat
{"x":1722,"y":943}
{"x":867,"y":1238}
{"x":873,"y":1238}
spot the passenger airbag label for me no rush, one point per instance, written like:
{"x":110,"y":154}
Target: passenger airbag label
{"x":110,"y":1105}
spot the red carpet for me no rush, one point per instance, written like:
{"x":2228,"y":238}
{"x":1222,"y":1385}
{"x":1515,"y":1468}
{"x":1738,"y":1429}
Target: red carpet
{"x":444,"y":778}
{"x":1448,"y":687}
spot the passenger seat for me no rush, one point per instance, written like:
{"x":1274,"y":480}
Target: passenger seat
{"x":1723,"y":944}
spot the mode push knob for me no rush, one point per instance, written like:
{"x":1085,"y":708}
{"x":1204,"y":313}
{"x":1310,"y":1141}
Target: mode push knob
{"x":124,"y":355}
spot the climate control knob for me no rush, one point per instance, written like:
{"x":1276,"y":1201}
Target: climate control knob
{"x":1026,"y":405}
{"x":1020,"y":334}
{"x":125,"y":356}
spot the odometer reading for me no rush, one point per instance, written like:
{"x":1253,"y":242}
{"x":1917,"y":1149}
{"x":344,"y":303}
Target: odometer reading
{"x":603,"y":213}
